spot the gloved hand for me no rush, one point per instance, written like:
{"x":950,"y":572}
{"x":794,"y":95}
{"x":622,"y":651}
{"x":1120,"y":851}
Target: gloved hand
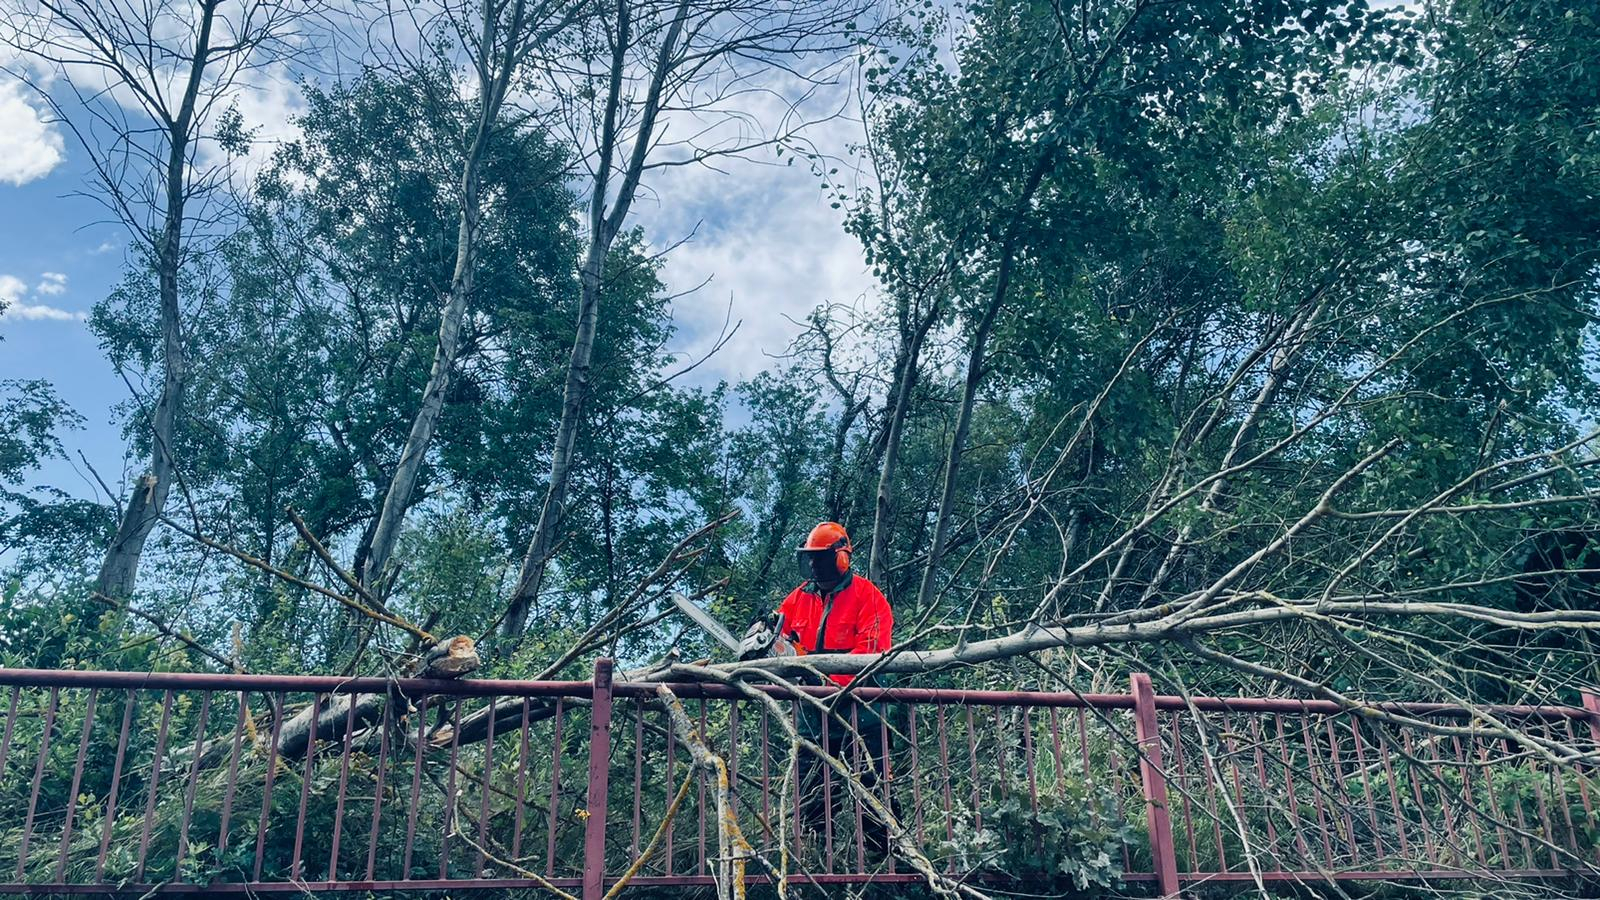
{"x":759,"y":637}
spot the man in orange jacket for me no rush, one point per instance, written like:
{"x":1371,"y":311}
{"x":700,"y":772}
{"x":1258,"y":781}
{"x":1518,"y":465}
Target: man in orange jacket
{"x":837,"y":611}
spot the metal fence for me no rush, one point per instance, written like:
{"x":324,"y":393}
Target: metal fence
{"x":190,"y":783}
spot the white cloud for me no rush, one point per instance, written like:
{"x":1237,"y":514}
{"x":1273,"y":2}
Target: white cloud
{"x":105,"y":247}
{"x":774,"y":261}
{"x":14,"y":306}
{"x":40,"y":312}
{"x":29,"y":147}
{"x":268,"y":100}
{"x":52,"y":283}
{"x":766,"y":238}
{"x":11,"y":289}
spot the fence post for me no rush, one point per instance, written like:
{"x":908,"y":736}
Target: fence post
{"x":594,"y":827}
{"x":1163,"y":852}
{"x":1591,"y":702}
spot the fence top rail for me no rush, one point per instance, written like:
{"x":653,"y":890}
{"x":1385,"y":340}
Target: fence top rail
{"x":318,"y":684}
{"x":1077,"y":700}
{"x":331,"y":684}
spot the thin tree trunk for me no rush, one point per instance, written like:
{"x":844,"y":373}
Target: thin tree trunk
{"x":404,"y":481}
{"x":603,"y":229}
{"x":119,"y":571}
{"x":838,"y":494}
{"x":958,"y":440}
{"x":531,"y":577}
{"x":969,"y":393}
{"x":899,"y":411}
{"x":398,"y":498}
{"x":782,"y":517}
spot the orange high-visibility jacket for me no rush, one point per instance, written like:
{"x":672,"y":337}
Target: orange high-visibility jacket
{"x":854,"y":618}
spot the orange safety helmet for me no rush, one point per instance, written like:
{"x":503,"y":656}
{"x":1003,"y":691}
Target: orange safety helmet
{"x":828,"y":536}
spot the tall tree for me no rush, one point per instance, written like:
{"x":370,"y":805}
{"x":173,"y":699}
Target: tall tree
{"x":684,"y":57}
{"x":1007,"y":158}
{"x":176,"y":66}
{"x":508,"y":32}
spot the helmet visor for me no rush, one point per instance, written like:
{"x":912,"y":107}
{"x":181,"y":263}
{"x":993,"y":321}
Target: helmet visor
{"x":820,"y":566}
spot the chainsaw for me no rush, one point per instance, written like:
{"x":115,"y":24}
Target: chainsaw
{"x":766,"y":637}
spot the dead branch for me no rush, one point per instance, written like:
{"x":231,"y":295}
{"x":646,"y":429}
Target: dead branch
{"x":732,"y":849}
{"x":386,"y":618}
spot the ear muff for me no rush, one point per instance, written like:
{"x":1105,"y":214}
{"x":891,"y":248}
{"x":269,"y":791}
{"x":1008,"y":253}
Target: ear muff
{"x":841,"y":556}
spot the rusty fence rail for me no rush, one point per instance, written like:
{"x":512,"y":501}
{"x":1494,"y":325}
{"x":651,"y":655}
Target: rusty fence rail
{"x":116,"y":782}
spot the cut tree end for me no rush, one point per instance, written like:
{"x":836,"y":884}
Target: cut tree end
{"x":450,"y":658}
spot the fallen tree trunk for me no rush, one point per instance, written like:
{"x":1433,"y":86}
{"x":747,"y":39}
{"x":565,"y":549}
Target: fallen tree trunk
{"x":447,"y":660}
{"x":508,"y":711}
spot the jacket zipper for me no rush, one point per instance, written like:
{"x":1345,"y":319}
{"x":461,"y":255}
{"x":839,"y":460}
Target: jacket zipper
{"x":822,"y":627}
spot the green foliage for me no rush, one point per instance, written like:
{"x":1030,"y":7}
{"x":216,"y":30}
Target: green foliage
{"x":1071,"y":842}
{"x":30,"y":415}
{"x":42,"y":528}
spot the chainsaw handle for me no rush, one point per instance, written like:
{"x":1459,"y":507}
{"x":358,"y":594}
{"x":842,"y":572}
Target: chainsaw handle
{"x":766,"y":637}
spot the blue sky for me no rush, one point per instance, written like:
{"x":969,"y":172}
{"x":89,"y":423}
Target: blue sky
{"x":57,"y":258}
{"x":764,"y":239}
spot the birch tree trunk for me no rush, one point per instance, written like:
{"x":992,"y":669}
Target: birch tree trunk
{"x":498,"y":56}
{"x":403,"y":484}
{"x":119,"y":571}
{"x":603,"y":229}
{"x":899,"y":411}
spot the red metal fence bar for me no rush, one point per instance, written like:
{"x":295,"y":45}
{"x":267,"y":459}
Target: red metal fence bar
{"x":489,"y":760}
{"x":1154,"y":776}
{"x":594,"y":839}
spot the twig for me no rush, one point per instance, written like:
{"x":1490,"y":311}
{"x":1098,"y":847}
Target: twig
{"x":456,"y":831}
{"x":169,"y":631}
{"x":679,"y":551}
{"x":655,"y":839}
{"x":385,"y":617}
